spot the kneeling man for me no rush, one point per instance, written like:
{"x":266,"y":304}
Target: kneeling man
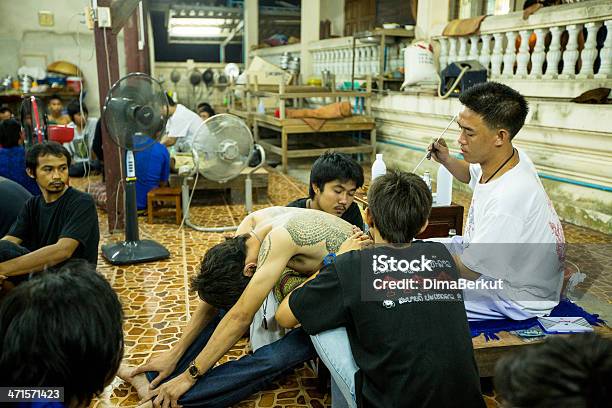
{"x":513,"y":232}
{"x":237,"y":278}
{"x":402,"y":347}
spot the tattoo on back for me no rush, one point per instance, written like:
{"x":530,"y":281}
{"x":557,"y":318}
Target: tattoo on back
{"x":264,"y":250}
{"x":314,"y":228}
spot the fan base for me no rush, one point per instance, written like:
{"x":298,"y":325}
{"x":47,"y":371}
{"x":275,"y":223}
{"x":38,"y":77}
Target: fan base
{"x":131,"y":252}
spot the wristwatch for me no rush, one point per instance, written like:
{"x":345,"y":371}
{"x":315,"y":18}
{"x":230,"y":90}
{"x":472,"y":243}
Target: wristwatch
{"x":193,"y":370}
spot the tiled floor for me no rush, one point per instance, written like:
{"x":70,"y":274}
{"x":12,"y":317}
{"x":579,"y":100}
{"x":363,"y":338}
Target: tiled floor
{"x":157,"y":302}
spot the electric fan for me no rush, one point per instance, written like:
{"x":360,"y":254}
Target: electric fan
{"x":33,"y":120}
{"x":135,"y":113}
{"x":221,"y":150}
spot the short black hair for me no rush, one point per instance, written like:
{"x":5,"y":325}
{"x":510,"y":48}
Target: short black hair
{"x":334,"y":166}
{"x":43,"y":149}
{"x":500,"y":106}
{"x":6,"y":109}
{"x":171,"y":101}
{"x":205,"y":107}
{"x":10,"y":133}
{"x":221,"y":280}
{"x":400,"y":204}
{"x":74,"y":107}
{"x":54,"y":96}
{"x":572,"y":371}
{"x":62,"y":328}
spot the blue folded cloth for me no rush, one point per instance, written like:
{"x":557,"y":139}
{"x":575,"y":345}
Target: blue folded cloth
{"x":565,"y":308}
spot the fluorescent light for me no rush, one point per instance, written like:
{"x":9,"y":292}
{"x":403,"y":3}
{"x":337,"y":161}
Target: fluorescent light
{"x":193,"y":22}
{"x":193,"y":31}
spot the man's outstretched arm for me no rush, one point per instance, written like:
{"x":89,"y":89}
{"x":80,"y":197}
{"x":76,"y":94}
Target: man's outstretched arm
{"x":274,"y":254}
{"x":40,"y":259}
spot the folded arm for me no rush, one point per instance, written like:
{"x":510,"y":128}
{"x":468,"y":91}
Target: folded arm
{"x":36,"y":261}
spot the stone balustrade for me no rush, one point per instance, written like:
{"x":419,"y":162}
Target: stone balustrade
{"x":566,"y":49}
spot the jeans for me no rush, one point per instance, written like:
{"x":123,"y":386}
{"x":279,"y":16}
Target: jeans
{"x":335,"y":351}
{"x":10,"y":250}
{"x":230,"y":383}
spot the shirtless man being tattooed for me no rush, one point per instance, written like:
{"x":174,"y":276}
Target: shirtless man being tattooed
{"x":237,"y":276}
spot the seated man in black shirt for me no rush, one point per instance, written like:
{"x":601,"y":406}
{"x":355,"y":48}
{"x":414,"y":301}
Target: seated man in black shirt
{"x":59,"y":224}
{"x":408,"y":351}
{"x":334,"y":178}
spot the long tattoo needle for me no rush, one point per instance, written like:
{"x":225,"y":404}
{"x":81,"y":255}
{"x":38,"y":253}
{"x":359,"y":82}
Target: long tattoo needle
{"x":428,"y":154}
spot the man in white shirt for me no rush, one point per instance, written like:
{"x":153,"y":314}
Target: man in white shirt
{"x":183,"y":124}
{"x":513,"y":233}
{"x":83,"y":159}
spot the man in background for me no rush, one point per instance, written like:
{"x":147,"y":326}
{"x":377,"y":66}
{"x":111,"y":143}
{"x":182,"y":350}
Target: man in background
{"x":152,"y":171}
{"x":56,"y":114}
{"x":80,"y":148}
{"x":5,"y":113}
{"x":12,"y":156}
{"x":205,"y":110}
{"x":183,"y":124}
{"x":334,"y":178}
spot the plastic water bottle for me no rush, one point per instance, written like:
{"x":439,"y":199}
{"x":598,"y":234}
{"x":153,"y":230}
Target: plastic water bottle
{"x":378,"y":168}
{"x":427,"y":179}
{"x":445,"y":186}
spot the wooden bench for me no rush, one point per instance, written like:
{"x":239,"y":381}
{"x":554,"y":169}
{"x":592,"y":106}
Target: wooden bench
{"x":165,"y":195}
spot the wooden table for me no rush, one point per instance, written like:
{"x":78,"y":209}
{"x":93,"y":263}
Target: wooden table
{"x":441,"y":220}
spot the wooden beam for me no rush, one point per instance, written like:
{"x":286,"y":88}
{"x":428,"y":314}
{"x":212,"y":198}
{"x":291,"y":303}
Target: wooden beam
{"x":108,"y":73}
{"x":132,"y":33}
{"x":121,"y":10}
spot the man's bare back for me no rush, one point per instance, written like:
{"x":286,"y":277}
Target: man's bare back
{"x":314,"y":233}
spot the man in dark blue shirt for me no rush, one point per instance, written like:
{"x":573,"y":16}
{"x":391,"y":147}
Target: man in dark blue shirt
{"x":152,"y":171}
{"x":12,"y":156}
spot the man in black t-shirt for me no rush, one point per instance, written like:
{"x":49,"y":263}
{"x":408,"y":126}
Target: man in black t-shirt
{"x":334,"y":178}
{"x":385,"y":345}
{"x":58,"y":225}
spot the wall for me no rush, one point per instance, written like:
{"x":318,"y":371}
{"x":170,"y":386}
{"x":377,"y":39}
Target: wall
{"x":333,"y":10}
{"x":21,"y":35}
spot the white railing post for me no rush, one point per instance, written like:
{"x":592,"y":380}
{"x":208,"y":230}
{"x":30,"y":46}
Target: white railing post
{"x":497,"y":57}
{"x":473,"y":48}
{"x":605,"y":69}
{"x":522,"y":59}
{"x":510,"y":55}
{"x":452,"y":53}
{"x":539,"y":55}
{"x":443,"y":52}
{"x":462,"y":49}
{"x":589,"y":53}
{"x":554,"y":53}
{"x":570,"y":56}
{"x":485,"y":51}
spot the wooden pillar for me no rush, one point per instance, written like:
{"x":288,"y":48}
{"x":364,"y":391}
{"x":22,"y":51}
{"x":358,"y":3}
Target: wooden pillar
{"x":136,"y":41}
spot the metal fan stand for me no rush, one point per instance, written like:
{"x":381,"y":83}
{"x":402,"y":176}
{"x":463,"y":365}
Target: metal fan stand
{"x":133,"y":249}
{"x":248,"y":189}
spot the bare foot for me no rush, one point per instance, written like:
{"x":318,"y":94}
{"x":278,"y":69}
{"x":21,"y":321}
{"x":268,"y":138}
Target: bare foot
{"x":148,"y":404}
{"x":139,"y":381}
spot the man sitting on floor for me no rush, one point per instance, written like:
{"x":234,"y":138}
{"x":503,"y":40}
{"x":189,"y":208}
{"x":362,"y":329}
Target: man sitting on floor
{"x":62,"y":329}
{"x":57,"y":225}
{"x":237,"y":276}
{"x":334,"y":178}
{"x":152,"y":171}
{"x":513,"y":232}
{"x":408,"y":350}
{"x":12,"y":156}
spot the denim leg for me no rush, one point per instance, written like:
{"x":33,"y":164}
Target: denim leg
{"x":230,"y":383}
{"x":192,"y":351}
{"x":335,"y":351}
